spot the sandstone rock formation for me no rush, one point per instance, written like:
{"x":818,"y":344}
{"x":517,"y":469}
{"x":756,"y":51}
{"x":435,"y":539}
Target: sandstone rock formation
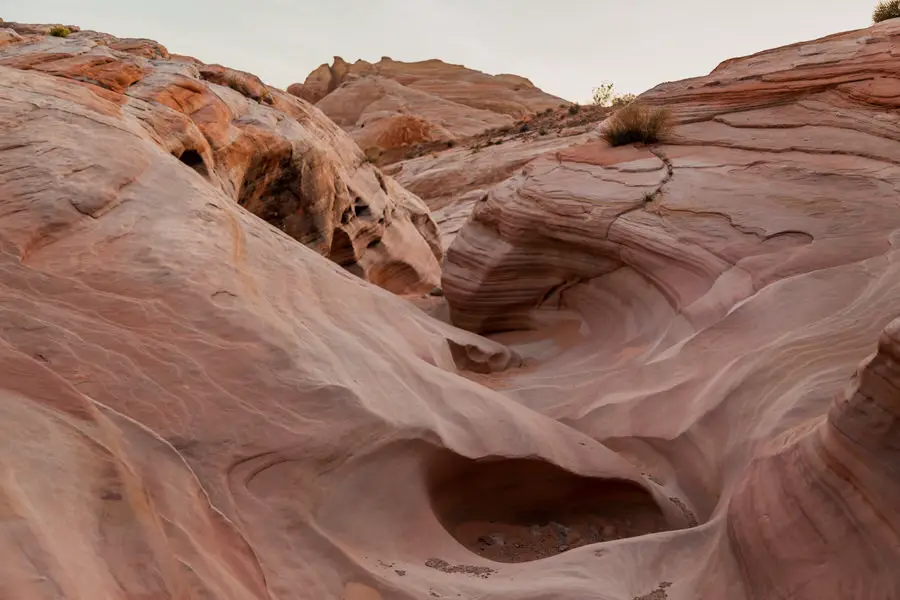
{"x":735,"y":201}
{"x":451,"y":181}
{"x":268,"y":151}
{"x":720,"y":289}
{"x":389,"y":103}
{"x":196,"y":406}
{"x":838,"y":486}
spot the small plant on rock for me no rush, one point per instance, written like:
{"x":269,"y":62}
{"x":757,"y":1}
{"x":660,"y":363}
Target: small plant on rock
{"x":888,"y":9}
{"x":636,"y":123}
{"x":623,"y":100}
{"x":603,"y":95}
{"x":60,"y":31}
{"x":574,"y":108}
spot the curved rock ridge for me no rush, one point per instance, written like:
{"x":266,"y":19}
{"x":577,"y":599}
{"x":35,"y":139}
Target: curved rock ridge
{"x":836,"y":485}
{"x":272,"y":153}
{"x":451,"y":180}
{"x":771,"y":152}
{"x":391,"y":104}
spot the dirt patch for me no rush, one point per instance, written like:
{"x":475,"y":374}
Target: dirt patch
{"x":657,"y":594}
{"x":522,"y":510}
{"x":444,"y":566}
{"x":688,"y":513}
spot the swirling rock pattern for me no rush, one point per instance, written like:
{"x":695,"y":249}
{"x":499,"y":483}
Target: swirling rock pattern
{"x":834,"y":492}
{"x":771,"y":152}
{"x":269,"y":151}
{"x":195,"y":405}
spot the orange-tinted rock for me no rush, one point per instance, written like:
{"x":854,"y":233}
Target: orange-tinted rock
{"x":272,"y":153}
{"x":36,"y":29}
{"x":108,"y":72}
{"x":9,"y":36}
{"x":390,"y":104}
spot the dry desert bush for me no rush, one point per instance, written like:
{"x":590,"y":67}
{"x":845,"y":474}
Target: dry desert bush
{"x":637,"y":123}
{"x":889,"y":9}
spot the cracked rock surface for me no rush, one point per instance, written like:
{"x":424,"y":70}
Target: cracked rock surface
{"x":783,"y":163}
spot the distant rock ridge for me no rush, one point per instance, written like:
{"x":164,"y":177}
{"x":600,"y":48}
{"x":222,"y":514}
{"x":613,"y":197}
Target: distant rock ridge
{"x":389,"y":103}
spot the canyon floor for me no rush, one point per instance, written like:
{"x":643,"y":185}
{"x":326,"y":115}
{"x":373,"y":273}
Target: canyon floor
{"x":243,"y":359}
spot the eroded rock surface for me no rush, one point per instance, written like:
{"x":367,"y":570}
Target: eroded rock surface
{"x":837,"y":488}
{"x":451,"y":181}
{"x":272,"y":153}
{"x":195,"y":405}
{"x":390,"y":104}
{"x":770,"y":152}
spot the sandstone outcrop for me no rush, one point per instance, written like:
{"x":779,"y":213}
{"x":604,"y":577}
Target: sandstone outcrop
{"x":451,"y":181}
{"x":195,"y":405}
{"x":391,"y":104}
{"x":272,"y":153}
{"x":838,"y":486}
{"x":720,"y":288}
{"x":735,"y":196}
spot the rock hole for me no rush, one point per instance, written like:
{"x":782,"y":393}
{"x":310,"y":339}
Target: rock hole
{"x":342,"y":251}
{"x":361,"y":209}
{"x":395,"y":276}
{"x":356,"y":269}
{"x":193,"y":159}
{"x":520,"y":510}
{"x":374,"y":243}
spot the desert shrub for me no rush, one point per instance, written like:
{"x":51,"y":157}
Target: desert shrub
{"x":888,"y":9}
{"x":603,"y":95}
{"x":542,"y":131}
{"x":574,"y":108}
{"x":624,"y":99}
{"x":60,"y":31}
{"x":636,"y":123}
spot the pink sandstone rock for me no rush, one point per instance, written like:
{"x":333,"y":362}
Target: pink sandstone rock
{"x":195,"y":405}
{"x":737,"y":195}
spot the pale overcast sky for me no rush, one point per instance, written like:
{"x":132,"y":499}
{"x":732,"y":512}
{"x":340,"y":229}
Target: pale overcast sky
{"x":565,"y":47}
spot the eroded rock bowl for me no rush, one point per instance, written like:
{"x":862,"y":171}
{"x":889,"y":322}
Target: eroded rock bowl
{"x":520,"y":510}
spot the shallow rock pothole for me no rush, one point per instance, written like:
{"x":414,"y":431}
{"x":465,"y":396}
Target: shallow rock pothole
{"x":519,"y":510}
